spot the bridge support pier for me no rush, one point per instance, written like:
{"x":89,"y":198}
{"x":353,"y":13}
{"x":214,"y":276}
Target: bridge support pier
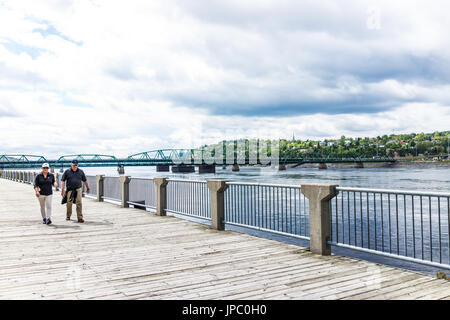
{"x":183,"y":169}
{"x":207,"y":168}
{"x":281,"y":167}
{"x":319,"y":196}
{"x":162,"y":168}
{"x":235,"y":168}
{"x":359,"y":165}
{"x":121,"y":169}
{"x":322,"y":166}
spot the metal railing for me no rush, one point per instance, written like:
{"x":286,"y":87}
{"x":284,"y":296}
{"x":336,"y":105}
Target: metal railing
{"x":189,"y":198}
{"x":280,"y":209}
{"x":92,"y":182}
{"x":403,"y":224}
{"x":142,"y":193}
{"x":408,"y":225}
{"x":112,"y":189}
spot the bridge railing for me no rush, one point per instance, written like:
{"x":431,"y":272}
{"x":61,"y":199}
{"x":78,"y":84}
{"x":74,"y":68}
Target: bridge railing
{"x":280,"y":209}
{"x":410,"y":225}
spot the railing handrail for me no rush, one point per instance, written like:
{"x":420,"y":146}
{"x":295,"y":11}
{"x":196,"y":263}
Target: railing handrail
{"x":401,"y":192}
{"x":263,"y":184}
{"x":141,"y":178}
{"x":185,"y":180}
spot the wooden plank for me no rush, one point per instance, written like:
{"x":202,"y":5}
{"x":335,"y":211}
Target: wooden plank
{"x":131,"y":254}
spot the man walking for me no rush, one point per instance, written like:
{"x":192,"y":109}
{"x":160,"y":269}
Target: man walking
{"x":43,"y":187}
{"x":74,"y":178}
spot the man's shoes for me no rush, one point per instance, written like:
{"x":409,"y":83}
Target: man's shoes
{"x":81,"y":220}
{"x":49,"y":221}
{"x":68,"y":219}
{"x":44,"y":221}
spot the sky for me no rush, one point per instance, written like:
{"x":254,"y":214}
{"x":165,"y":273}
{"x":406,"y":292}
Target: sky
{"x":121,"y":77}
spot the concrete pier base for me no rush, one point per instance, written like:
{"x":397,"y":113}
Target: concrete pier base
{"x":217,"y":189}
{"x":322,"y":166}
{"x":207,"y":168}
{"x":235,"y":168}
{"x":319,"y":196}
{"x":281,"y":167}
{"x":183,"y":169}
{"x":162,"y":168}
{"x":161,"y":195}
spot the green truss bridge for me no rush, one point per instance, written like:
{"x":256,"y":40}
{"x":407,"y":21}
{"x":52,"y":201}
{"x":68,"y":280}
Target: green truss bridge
{"x":164,"y":157}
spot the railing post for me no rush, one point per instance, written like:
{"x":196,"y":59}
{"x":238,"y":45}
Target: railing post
{"x":57,"y":181}
{"x":125,"y":183}
{"x":100,"y":179}
{"x":161,"y":195}
{"x":319,"y":196}
{"x":217,"y":189}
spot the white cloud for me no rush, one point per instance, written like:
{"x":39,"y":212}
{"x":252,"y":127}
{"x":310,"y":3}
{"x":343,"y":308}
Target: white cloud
{"x":118,"y":78}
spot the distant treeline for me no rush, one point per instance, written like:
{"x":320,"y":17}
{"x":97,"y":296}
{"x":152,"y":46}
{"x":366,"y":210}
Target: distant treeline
{"x":410,"y":145}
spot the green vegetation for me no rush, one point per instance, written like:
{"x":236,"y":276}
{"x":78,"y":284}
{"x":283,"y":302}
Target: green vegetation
{"x":408,"y":146}
{"x":405,"y":147}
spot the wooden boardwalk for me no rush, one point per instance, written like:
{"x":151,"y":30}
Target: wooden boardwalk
{"x":131,"y":254}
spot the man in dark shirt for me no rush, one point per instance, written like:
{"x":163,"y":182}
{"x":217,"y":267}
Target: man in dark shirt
{"x":43,"y":184}
{"x":74,"y":177}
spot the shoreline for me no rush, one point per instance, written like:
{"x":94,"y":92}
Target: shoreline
{"x":399,"y":164}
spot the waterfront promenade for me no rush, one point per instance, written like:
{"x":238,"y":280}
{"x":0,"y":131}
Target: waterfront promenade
{"x":125,"y":253}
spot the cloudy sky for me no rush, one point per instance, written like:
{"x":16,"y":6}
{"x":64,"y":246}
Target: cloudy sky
{"x":119,"y":77}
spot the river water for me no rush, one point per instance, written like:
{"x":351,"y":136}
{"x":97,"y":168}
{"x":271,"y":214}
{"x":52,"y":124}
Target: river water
{"x":404,"y":178}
